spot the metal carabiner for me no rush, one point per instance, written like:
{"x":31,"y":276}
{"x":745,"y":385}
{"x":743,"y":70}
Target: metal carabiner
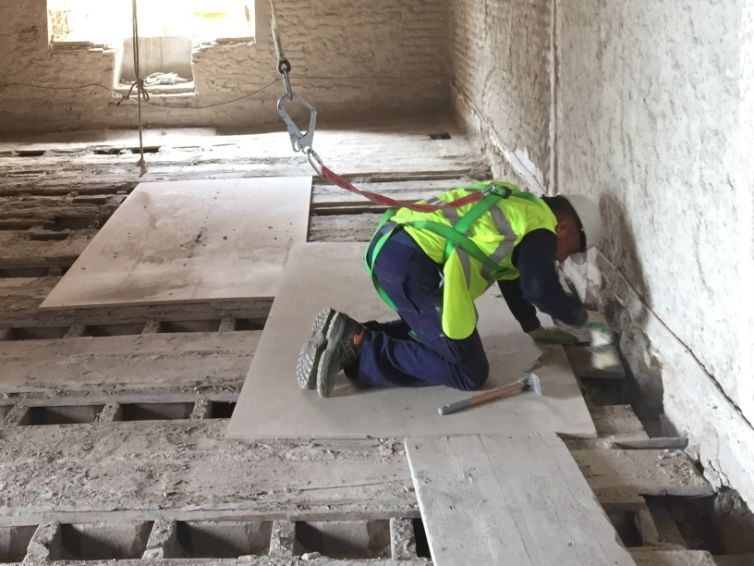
{"x":299,"y":140}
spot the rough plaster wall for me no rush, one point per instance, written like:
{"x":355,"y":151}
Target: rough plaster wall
{"x":501,"y":82}
{"x":655,"y":119}
{"x":351,"y":59}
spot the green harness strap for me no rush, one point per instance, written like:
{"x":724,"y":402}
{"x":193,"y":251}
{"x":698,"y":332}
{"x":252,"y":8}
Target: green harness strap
{"x":454,"y":235}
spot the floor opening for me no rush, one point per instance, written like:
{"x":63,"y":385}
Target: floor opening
{"x":156,"y":411}
{"x":250,"y":324}
{"x":13,"y":543}
{"x":422,"y":543}
{"x":102,"y":542}
{"x":30,"y":272}
{"x":114,"y":329}
{"x":222,"y":410}
{"x":220,"y":540}
{"x":37,"y":333}
{"x":190,"y":326}
{"x":118,"y":150}
{"x":722,"y":525}
{"x":74,"y":414}
{"x":624,"y":523}
{"x":347,"y":539}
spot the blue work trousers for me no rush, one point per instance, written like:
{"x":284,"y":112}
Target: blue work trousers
{"x":390,"y":356}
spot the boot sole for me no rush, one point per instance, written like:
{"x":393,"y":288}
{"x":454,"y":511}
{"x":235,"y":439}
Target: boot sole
{"x":325,"y":373}
{"x":310,"y":353}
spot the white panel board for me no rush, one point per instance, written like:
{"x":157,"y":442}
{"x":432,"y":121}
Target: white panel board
{"x":509,"y":500}
{"x":320,"y":274}
{"x":191,"y":241}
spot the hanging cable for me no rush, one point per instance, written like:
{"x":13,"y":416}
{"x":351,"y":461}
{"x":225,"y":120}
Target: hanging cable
{"x":303,"y":142}
{"x":138,"y":85}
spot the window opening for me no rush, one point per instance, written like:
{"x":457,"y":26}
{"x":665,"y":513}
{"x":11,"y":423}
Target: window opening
{"x":169,"y":31}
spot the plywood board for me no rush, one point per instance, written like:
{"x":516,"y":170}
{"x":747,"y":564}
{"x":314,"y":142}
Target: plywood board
{"x":272,"y":405}
{"x":505,"y":499}
{"x":191,"y":241}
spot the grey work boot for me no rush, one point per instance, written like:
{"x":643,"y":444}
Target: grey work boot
{"x":308,"y":357}
{"x":344,"y":337}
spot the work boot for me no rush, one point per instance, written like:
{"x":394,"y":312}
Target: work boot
{"x":308,"y":357}
{"x":344,"y":337}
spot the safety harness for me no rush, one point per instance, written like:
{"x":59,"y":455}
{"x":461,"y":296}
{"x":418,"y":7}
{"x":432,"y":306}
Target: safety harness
{"x":456,"y":236}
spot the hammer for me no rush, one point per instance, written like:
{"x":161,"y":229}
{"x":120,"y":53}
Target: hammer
{"x":530,"y":382}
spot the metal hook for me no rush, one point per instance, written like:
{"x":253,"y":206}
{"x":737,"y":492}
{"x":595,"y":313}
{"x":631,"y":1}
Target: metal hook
{"x":301,"y":141}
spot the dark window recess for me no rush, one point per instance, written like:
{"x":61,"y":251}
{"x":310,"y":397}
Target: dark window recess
{"x":123,"y":541}
{"x":441,"y":136}
{"x":223,"y":539}
{"x":347,"y":539}
{"x":190,"y":326}
{"x":156,"y":411}
{"x":4,"y":410}
{"x":73,"y":414}
{"x":13,"y":543}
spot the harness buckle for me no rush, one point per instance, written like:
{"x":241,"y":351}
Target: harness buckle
{"x":497,"y":190}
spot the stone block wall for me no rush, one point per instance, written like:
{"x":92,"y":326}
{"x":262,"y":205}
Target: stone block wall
{"x":351,"y":59}
{"x":655,"y":119}
{"x":501,"y":87}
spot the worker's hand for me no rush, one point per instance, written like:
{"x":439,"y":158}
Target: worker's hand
{"x":601,"y":334}
{"x":553,"y":336}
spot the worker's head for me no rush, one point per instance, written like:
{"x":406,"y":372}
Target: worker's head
{"x":579,"y":225}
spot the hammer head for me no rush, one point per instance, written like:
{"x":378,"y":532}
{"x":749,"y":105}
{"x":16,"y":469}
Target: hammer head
{"x":532,"y":383}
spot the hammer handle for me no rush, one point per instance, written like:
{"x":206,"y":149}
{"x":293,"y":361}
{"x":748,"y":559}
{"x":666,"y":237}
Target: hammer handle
{"x":491,"y":395}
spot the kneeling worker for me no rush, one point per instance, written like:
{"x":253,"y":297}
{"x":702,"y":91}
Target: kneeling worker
{"x":431,"y":266}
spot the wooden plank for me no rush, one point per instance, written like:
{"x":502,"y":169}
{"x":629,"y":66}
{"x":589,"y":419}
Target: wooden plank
{"x":29,"y":249}
{"x":672,"y":442}
{"x":645,"y":472}
{"x":122,"y":363}
{"x":330,"y":198}
{"x":343,"y":227}
{"x":18,"y":309}
{"x":614,"y":423}
{"x":318,"y":275}
{"x":651,"y":557}
{"x":502,"y":499}
{"x":190,"y":241}
{"x":188,"y":470}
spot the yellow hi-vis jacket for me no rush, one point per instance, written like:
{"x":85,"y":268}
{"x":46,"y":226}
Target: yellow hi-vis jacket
{"x":474,"y":244}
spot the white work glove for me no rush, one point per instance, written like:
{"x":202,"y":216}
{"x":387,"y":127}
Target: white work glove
{"x":553,"y":335}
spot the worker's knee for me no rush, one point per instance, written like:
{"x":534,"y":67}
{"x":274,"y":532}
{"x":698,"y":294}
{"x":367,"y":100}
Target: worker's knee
{"x":474,"y":376}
